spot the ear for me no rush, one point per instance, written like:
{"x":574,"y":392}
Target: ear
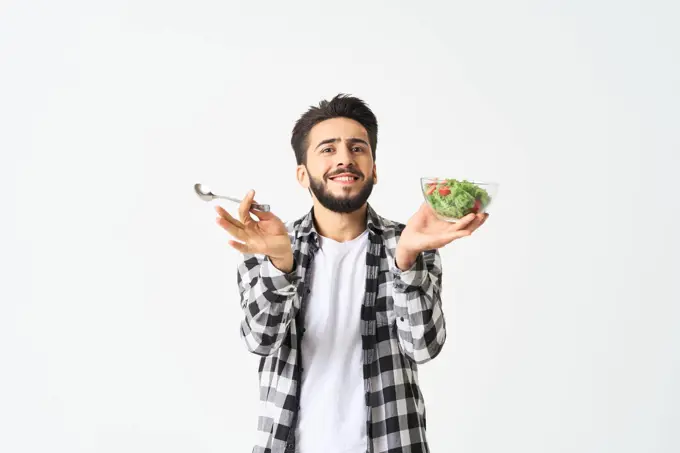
{"x":375,"y":174}
{"x":302,"y":176}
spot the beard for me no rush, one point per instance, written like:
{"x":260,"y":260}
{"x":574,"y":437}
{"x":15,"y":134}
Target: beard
{"x":343,"y":204}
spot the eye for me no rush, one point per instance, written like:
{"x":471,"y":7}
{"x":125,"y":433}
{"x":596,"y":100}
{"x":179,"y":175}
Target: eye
{"x":326,"y":149}
{"x":357,"y":149}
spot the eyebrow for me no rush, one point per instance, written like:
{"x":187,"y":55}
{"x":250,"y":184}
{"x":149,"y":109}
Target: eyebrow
{"x":335,"y":140}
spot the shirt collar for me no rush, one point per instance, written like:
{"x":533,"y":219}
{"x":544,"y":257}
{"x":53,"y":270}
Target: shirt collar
{"x":306,"y":229}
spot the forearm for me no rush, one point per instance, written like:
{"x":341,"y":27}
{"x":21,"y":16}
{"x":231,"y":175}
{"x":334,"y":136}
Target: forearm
{"x":417,"y":304}
{"x":270,"y":302}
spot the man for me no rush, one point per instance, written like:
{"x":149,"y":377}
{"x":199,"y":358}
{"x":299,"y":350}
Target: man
{"x":342,"y":304}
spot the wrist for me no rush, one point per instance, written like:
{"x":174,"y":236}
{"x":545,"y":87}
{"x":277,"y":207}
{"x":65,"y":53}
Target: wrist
{"x":284,"y":264}
{"x":405,"y":259}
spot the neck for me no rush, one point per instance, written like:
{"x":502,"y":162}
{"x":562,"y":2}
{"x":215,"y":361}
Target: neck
{"x":338,"y":226}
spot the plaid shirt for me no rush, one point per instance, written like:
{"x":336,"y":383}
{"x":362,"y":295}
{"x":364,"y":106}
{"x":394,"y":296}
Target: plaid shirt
{"x":402,"y":325}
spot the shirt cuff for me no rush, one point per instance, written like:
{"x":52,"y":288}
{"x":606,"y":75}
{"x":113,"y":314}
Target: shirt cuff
{"x":410,"y":279}
{"x":276,"y":280}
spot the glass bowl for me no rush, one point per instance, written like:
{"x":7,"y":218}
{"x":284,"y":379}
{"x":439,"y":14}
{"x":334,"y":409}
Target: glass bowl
{"x":452,"y":199}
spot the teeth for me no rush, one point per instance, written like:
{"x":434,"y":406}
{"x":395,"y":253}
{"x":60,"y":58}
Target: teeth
{"x":344,"y":178}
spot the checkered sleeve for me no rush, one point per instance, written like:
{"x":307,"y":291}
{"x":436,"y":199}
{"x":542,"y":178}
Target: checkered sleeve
{"x":418,"y":308}
{"x":269,"y":301}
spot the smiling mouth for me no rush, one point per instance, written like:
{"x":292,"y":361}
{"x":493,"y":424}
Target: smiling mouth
{"x":345,"y":179}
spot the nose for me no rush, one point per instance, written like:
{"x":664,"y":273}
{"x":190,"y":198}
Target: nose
{"x":344,"y":156}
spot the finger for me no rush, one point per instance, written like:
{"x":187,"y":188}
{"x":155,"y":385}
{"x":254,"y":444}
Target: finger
{"x":481,"y":218}
{"x":243,"y":248}
{"x":486,"y":216}
{"x":244,"y":208}
{"x":475,"y":223}
{"x":228,"y":217}
{"x":464,"y":222}
{"x":238,"y":233}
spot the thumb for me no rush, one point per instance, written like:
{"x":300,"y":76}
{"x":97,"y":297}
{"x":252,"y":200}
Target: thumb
{"x":262,"y":215}
{"x":244,"y":207}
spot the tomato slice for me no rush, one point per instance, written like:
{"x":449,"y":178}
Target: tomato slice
{"x":477,"y":206}
{"x":444,"y":191}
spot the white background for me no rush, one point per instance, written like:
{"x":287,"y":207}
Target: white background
{"x":119,"y":311}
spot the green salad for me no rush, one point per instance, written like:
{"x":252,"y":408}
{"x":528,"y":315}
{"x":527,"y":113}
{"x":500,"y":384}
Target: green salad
{"x":453,"y":198}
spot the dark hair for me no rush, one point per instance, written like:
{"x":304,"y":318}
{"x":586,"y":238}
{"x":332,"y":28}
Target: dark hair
{"x":341,"y":106}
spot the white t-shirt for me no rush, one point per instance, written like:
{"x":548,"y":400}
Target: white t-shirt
{"x":332,"y":415}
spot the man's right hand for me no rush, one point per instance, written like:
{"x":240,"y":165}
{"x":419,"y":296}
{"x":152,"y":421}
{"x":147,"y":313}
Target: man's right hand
{"x":265,"y":236}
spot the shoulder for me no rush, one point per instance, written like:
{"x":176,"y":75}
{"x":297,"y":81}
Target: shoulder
{"x":391,"y":225}
{"x":378,"y":222}
{"x":294,"y":226}
{"x":390,"y":231}
{"x":299,"y":226}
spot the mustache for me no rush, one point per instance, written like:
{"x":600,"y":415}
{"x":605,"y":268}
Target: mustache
{"x":353,"y":172}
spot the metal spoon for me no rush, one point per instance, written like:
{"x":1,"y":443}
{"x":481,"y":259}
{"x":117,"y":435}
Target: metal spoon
{"x":206,"y":195}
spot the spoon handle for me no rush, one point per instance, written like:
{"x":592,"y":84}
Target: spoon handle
{"x":256,"y":206}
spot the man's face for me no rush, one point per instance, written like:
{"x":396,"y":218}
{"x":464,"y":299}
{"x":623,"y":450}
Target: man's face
{"x":339,"y":171}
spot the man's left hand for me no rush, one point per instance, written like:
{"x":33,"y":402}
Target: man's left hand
{"x":426,"y":231}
